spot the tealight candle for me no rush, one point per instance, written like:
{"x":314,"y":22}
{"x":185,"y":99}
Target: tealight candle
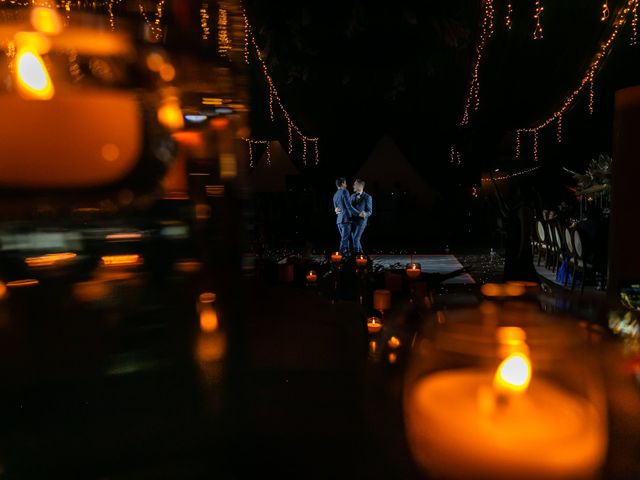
{"x":381,"y":300}
{"x":361,"y":261}
{"x":336,"y":257}
{"x":513,"y":421}
{"x":413,"y":270}
{"x":374,"y":325}
{"x":311,"y":276}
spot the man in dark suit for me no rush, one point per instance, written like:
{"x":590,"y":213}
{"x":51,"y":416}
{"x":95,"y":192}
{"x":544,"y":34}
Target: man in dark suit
{"x":363,"y":203}
{"x":344,"y":214}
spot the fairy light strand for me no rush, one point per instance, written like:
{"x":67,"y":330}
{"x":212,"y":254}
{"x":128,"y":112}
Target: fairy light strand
{"x":634,"y":24}
{"x":604,"y":14}
{"x":112,"y":21}
{"x":507,"y":19}
{"x":559,"y":130}
{"x":518,"y":144}
{"x":275,"y":100}
{"x":224,"y":43}
{"x":508,"y":175}
{"x":486,"y":31}
{"x":455,"y":157}
{"x":537,"y":31}
{"x":535,"y":145}
{"x":587,"y":80}
{"x":156,"y":24}
{"x":251,"y":142}
{"x":204,"y":20}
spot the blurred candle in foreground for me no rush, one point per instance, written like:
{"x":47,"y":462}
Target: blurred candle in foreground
{"x":475,"y":422}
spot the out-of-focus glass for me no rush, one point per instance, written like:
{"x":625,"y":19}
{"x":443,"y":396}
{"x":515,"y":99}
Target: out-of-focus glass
{"x":504,"y":394}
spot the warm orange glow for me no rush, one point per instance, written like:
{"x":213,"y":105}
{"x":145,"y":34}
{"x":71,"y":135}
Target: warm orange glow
{"x":219,"y":123}
{"x":312,"y":276}
{"x":491,"y":290}
{"x":393,"y":357}
{"x":513,"y":374}
{"x":413,"y":270}
{"x":211,"y":347}
{"x":33,"y":40}
{"x":170,"y":114}
{"x":114,"y":237}
{"x":188,"y":138}
{"x":121,"y":260}
{"x":513,"y":290}
{"x":49,"y":259}
{"x":110,"y":152}
{"x":167,"y":72}
{"x":32,"y":76}
{"x":46,"y":20}
{"x":336,"y":257}
{"x":202,"y":211}
{"x":29,"y":282}
{"x":207,"y":297}
{"x":361,"y":261}
{"x":394,"y":342}
{"x":155,"y":61}
{"x":211,"y":101}
{"x":188,"y":266}
{"x":208,"y":318}
{"x":373,"y":346}
{"x":90,"y":291}
{"x":3,"y":290}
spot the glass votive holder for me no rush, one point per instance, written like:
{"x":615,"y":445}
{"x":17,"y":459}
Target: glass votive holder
{"x":492,"y":397}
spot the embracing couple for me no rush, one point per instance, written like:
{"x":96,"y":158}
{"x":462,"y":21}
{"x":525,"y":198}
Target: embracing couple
{"x":352,"y":212}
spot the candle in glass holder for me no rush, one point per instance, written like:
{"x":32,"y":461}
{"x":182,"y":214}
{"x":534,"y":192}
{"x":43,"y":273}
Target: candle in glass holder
{"x":413,"y":270}
{"x":483,"y":422}
{"x":361,"y":261}
{"x":336,"y":257}
{"x":312,"y":276}
{"x":381,"y":300}
{"x":374,"y":324}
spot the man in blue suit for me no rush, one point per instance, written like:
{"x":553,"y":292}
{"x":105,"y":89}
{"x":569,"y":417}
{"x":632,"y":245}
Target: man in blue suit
{"x":363,"y":203}
{"x":344,"y":215}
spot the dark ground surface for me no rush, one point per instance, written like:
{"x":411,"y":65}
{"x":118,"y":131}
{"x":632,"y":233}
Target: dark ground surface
{"x":299,"y":392}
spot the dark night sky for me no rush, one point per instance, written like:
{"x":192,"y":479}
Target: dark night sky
{"x":349,"y":71}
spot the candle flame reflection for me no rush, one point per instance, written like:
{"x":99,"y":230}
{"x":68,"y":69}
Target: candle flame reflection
{"x":513,"y":374}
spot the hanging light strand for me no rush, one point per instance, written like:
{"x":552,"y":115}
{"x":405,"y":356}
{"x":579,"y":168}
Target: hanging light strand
{"x":535,"y":145}
{"x":156,"y":24}
{"x":537,"y":31}
{"x":251,"y":142}
{"x":634,"y":24}
{"x":508,"y":175}
{"x":517,"y":143}
{"x":274,"y":97}
{"x":486,"y":31}
{"x":559,"y":130}
{"x":591,"y":94}
{"x":224,"y":42}
{"x":204,"y":20}
{"x":604,"y":14}
{"x":507,"y":19}
{"x":597,"y":61}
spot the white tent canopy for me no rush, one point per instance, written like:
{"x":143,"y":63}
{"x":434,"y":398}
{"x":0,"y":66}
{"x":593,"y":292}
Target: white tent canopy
{"x":388,"y":171}
{"x":271,"y":171}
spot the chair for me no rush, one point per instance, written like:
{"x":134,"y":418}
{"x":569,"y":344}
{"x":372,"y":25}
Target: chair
{"x":579,"y":264}
{"x":570,"y":252}
{"x":541,"y":233}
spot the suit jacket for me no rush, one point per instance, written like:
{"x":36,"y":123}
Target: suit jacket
{"x":362,"y":204}
{"x":342,"y":201}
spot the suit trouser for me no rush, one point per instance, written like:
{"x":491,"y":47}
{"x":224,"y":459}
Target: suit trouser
{"x":345,"y":238}
{"x":357,"y":230}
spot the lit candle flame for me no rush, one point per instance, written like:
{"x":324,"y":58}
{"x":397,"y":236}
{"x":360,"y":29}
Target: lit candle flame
{"x":32,"y":75}
{"x":513,"y":374}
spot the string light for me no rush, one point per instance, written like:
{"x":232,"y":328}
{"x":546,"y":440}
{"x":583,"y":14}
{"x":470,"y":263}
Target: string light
{"x":251,"y":142}
{"x":204,"y":20}
{"x":486,"y":31}
{"x":535,"y":145}
{"x":454,"y":156}
{"x":537,"y":32}
{"x":156,"y":25}
{"x":290,"y":144}
{"x":275,"y":100}
{"x":634,"y":24}
{"x":509,"y":175}
{"x":507,"y":20}
{"x":588,"y":78}
{"x":591,"y":94}
{"x":224,"y":44}
{"x":246,"y":36}
{"x":605,"y":11}
{"x":112,"y":22}
{"x":518,"y":144}
{"x":559,"y":131}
